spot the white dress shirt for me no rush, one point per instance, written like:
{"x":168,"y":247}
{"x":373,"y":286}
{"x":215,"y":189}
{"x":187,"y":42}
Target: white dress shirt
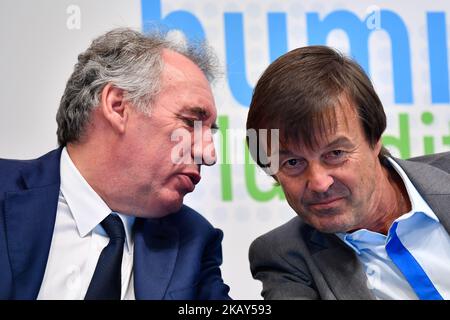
{"x":78,"y":239}
{"x":421,"y":233}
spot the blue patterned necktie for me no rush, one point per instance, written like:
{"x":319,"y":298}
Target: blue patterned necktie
{"x":410,"y":268}
{"x":106,"y":281}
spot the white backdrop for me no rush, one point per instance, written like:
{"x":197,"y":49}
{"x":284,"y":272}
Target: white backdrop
{"x":406,"y":54}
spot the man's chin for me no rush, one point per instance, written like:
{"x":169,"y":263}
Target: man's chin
{"x":173,"y":207}
{"x":328,"y":221}
{"x":331,"y":228}
{"x":160,"y":209}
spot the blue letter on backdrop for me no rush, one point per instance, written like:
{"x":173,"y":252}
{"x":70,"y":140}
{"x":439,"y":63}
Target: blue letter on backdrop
{"x":358,"y":35}
{"x":181,"y":20}
{"x":437,"y":46}
{"x":235,"y":51}
{"x":235,"y":59}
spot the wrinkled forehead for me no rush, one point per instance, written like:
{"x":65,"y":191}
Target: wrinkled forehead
{"x":184,"y":80}
{"x":178,"y":67}
{"x":319,"y":128}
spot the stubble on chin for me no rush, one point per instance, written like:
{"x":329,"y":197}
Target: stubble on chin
{"x":332,"y":220}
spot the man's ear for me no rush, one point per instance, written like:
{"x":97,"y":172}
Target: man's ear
{"x":276,"y":179}
{"x":114,"y":107}
{"x":377,"y":147}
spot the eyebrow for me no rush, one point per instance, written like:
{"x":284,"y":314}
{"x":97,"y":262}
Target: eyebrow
{"x":285,"y":152}
{"x":200,"y":113}
{"x":340,"y":141}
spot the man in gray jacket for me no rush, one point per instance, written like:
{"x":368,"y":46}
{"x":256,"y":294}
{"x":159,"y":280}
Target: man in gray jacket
{"x":369,"y":226}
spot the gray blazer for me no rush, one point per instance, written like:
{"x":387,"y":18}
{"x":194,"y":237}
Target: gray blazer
{"x":295,"y":261}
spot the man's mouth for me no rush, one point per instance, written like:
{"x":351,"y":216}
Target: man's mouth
{"x":195,"y":177}
{"x":189,"y":180}
{"x":325,"y":203}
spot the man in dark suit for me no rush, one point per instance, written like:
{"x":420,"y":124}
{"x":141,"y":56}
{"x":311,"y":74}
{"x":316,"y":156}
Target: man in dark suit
{"x":369,"y":226}
{"x":102,"y":217}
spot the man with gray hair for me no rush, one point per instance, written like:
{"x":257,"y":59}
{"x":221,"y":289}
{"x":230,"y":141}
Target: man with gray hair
{"x":102,"y":216}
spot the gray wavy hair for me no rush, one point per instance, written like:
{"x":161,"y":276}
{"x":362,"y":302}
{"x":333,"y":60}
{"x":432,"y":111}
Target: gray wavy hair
{"x":130,"y":61}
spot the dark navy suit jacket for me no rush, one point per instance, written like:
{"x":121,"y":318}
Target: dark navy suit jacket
{"x":175,"y":257}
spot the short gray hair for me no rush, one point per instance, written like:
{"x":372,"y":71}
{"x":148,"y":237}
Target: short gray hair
{"x":130,"y":61}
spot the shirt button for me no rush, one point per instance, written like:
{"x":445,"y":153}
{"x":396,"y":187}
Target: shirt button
{"x":73,"y":278}
{"x":373,"y":277}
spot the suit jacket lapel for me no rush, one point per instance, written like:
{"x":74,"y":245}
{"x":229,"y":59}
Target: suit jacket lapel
{"x":155,"y":253}
{"x":29,"y":222}
{"x":340,"y":267}
{"x":30,"y":218}
{"x":433,"y":185}
{"x":339,"y":264}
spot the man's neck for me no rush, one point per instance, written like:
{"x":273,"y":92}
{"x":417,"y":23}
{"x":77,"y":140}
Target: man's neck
{"x":90,"y":165}
{"x":395,"y":200}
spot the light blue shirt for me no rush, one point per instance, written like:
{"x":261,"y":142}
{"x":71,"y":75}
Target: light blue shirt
{"x":421,"y":233}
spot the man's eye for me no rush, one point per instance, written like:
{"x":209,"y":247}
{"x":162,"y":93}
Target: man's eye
{"x":335,"y":156}
{"x":337,"y":153}
{"x":293,"y":166}
{"x":189,"y":122}
{"x":292,"y":162}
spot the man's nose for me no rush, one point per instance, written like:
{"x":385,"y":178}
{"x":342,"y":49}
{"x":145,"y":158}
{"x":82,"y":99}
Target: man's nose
{"x":319,"y":178}
{"x":204,"y":151}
